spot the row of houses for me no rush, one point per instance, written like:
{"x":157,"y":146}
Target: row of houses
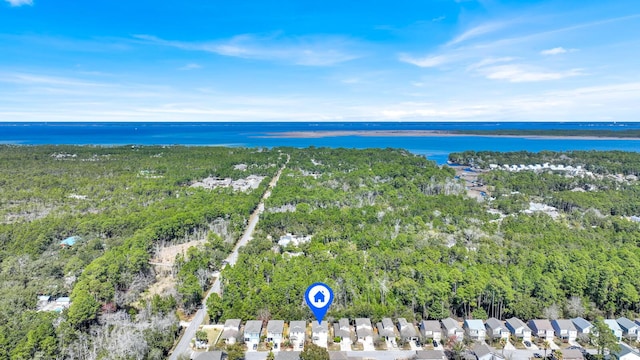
{"x":566,"y":330}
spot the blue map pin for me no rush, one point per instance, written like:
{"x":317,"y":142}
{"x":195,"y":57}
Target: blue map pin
{"x":319,"y":297}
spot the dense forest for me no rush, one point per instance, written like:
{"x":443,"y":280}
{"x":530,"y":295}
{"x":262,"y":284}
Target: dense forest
{"x":122,"y":203}
{"x":391,"y":232}
{"x":395,"y":235}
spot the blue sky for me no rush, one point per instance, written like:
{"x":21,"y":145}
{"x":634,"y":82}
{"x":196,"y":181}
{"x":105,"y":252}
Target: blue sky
{"x":420,"y":60}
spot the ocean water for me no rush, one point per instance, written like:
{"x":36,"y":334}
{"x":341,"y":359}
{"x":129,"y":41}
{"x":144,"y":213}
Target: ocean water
{"x":259,"y":135}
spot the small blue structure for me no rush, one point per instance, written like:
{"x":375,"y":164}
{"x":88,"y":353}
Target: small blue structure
{"x":70,"y":241}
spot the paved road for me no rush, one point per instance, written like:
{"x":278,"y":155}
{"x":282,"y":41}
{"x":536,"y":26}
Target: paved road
{"x":190,"y":332}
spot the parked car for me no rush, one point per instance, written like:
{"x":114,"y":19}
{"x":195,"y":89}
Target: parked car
{"x":527,"y":344}
{"x":435,"y":344}
{"x":537,"y":356}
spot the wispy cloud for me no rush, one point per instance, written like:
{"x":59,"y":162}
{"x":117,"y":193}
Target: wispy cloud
{"x":517,"y":73}
{"x":304,"y":50}
{"x":191,"y":66}
{"x":477,"y":31}
{"x":16,"y":3}
{"x":554,"y":51}
{"x":425,"y":62}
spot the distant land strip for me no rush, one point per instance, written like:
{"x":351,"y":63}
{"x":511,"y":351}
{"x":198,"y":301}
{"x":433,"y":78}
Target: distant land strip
{"x":533,"y":134}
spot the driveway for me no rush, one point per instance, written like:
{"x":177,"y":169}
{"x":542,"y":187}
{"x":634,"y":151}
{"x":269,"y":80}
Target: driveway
{"x":509,"y":346}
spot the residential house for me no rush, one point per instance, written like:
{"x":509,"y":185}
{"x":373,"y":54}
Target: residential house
{"x":386,"y":329}
{"x":231,"y":331}
{"x":564,"y":330}
{"x":408,"y":331}
{"x":518,"y":329}
{"x":252,"y":330}
{"x":496,"y":329}
{"x":319,"y":333}
{"x":430,"y":329}
{"x":572,"y":354}
{"x":430,"y":355}
{"x":210,"y":355}
{"x":342,"y":329}
{"x":615,"y":328}
{"x":451,"y":329}
{"x":298,"y":333}
{"x":629,"y":328}
{"x":364,"y":330}
{"x":483,"y":352}
{"x":542,"y":329}
{"x":288,"y":355}
{"x":275,"y":329}
{"x":474,"y":329}
{"x":582,"y":326}
{"x":626,"y":353}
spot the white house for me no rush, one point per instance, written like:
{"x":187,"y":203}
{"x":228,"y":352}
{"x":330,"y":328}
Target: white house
{"x":298,"y":334}
{"x":386,"y":329}
{"x":483,"y":352}
{"x":496,"y":329}
{"x":408,"y":332}
{"x":474,"y":329}
{"x":542,"y":329}
{"x":342,"y":329}
{"x":626,"y":353}
{"x":451,"y":329}
{"x":564,"y":330}
{"x":231,"y":331}
{"x":518,"y":329}
{"x":319,"y":333}
{"x":430,"y":329}
{"x":364,"y":330}
{"x":615,"y":328}
{"x":275,"y":328}
{"x":252,"y":330}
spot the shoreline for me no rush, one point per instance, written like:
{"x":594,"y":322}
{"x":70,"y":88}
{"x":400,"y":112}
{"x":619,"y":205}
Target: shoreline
{"x":421,"y":133}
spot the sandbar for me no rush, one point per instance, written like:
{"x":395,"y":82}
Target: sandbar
{"x":423,"y":133}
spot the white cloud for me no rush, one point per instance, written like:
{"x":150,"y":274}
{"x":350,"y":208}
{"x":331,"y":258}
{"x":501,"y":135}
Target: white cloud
{"x":16,"y":3}
{"x":519,"y":73}
{"x":191,"y":66}
{"x":554,"y":51}
{"x":428,"y":61}
{"x":489,"y":61}
{"x":305,"y":50}
{"x":477,"y":31}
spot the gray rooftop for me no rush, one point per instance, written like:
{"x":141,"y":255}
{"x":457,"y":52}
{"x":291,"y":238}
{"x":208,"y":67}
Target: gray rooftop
{"x":430,"y":325}
{"x":429,"y":355}
{"x":564,"y":324}
{"x":317,"y":328}
{"x":388,"y":323}
{"x":297,"y":326}
{"x":387,"y":332}
{"x":232,"y":323}
{"x":626,"y":324}
{"x":581,"y":323}
{"x":571,"y":354}
{"x":494,"y":324}
{"x":344,"y":324}
{"x":515,"y":323}
{"x":450,"y":324}
{"x":275,"y":326}
{"x":363,"y":322}
{"x":209,"y":355}
{"x":288,"y":355}
{"x":407,"y":330}
{"x":481,"y":350}
{"x":541,"y":324}
{"x":343,"y":333}
{"x":253,"y":327}
{"x":338,"y":355}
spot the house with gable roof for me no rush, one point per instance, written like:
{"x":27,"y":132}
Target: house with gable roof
{"x":496,"y":329}
{"x":518,"y":329}
{"x":474,"y":329}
